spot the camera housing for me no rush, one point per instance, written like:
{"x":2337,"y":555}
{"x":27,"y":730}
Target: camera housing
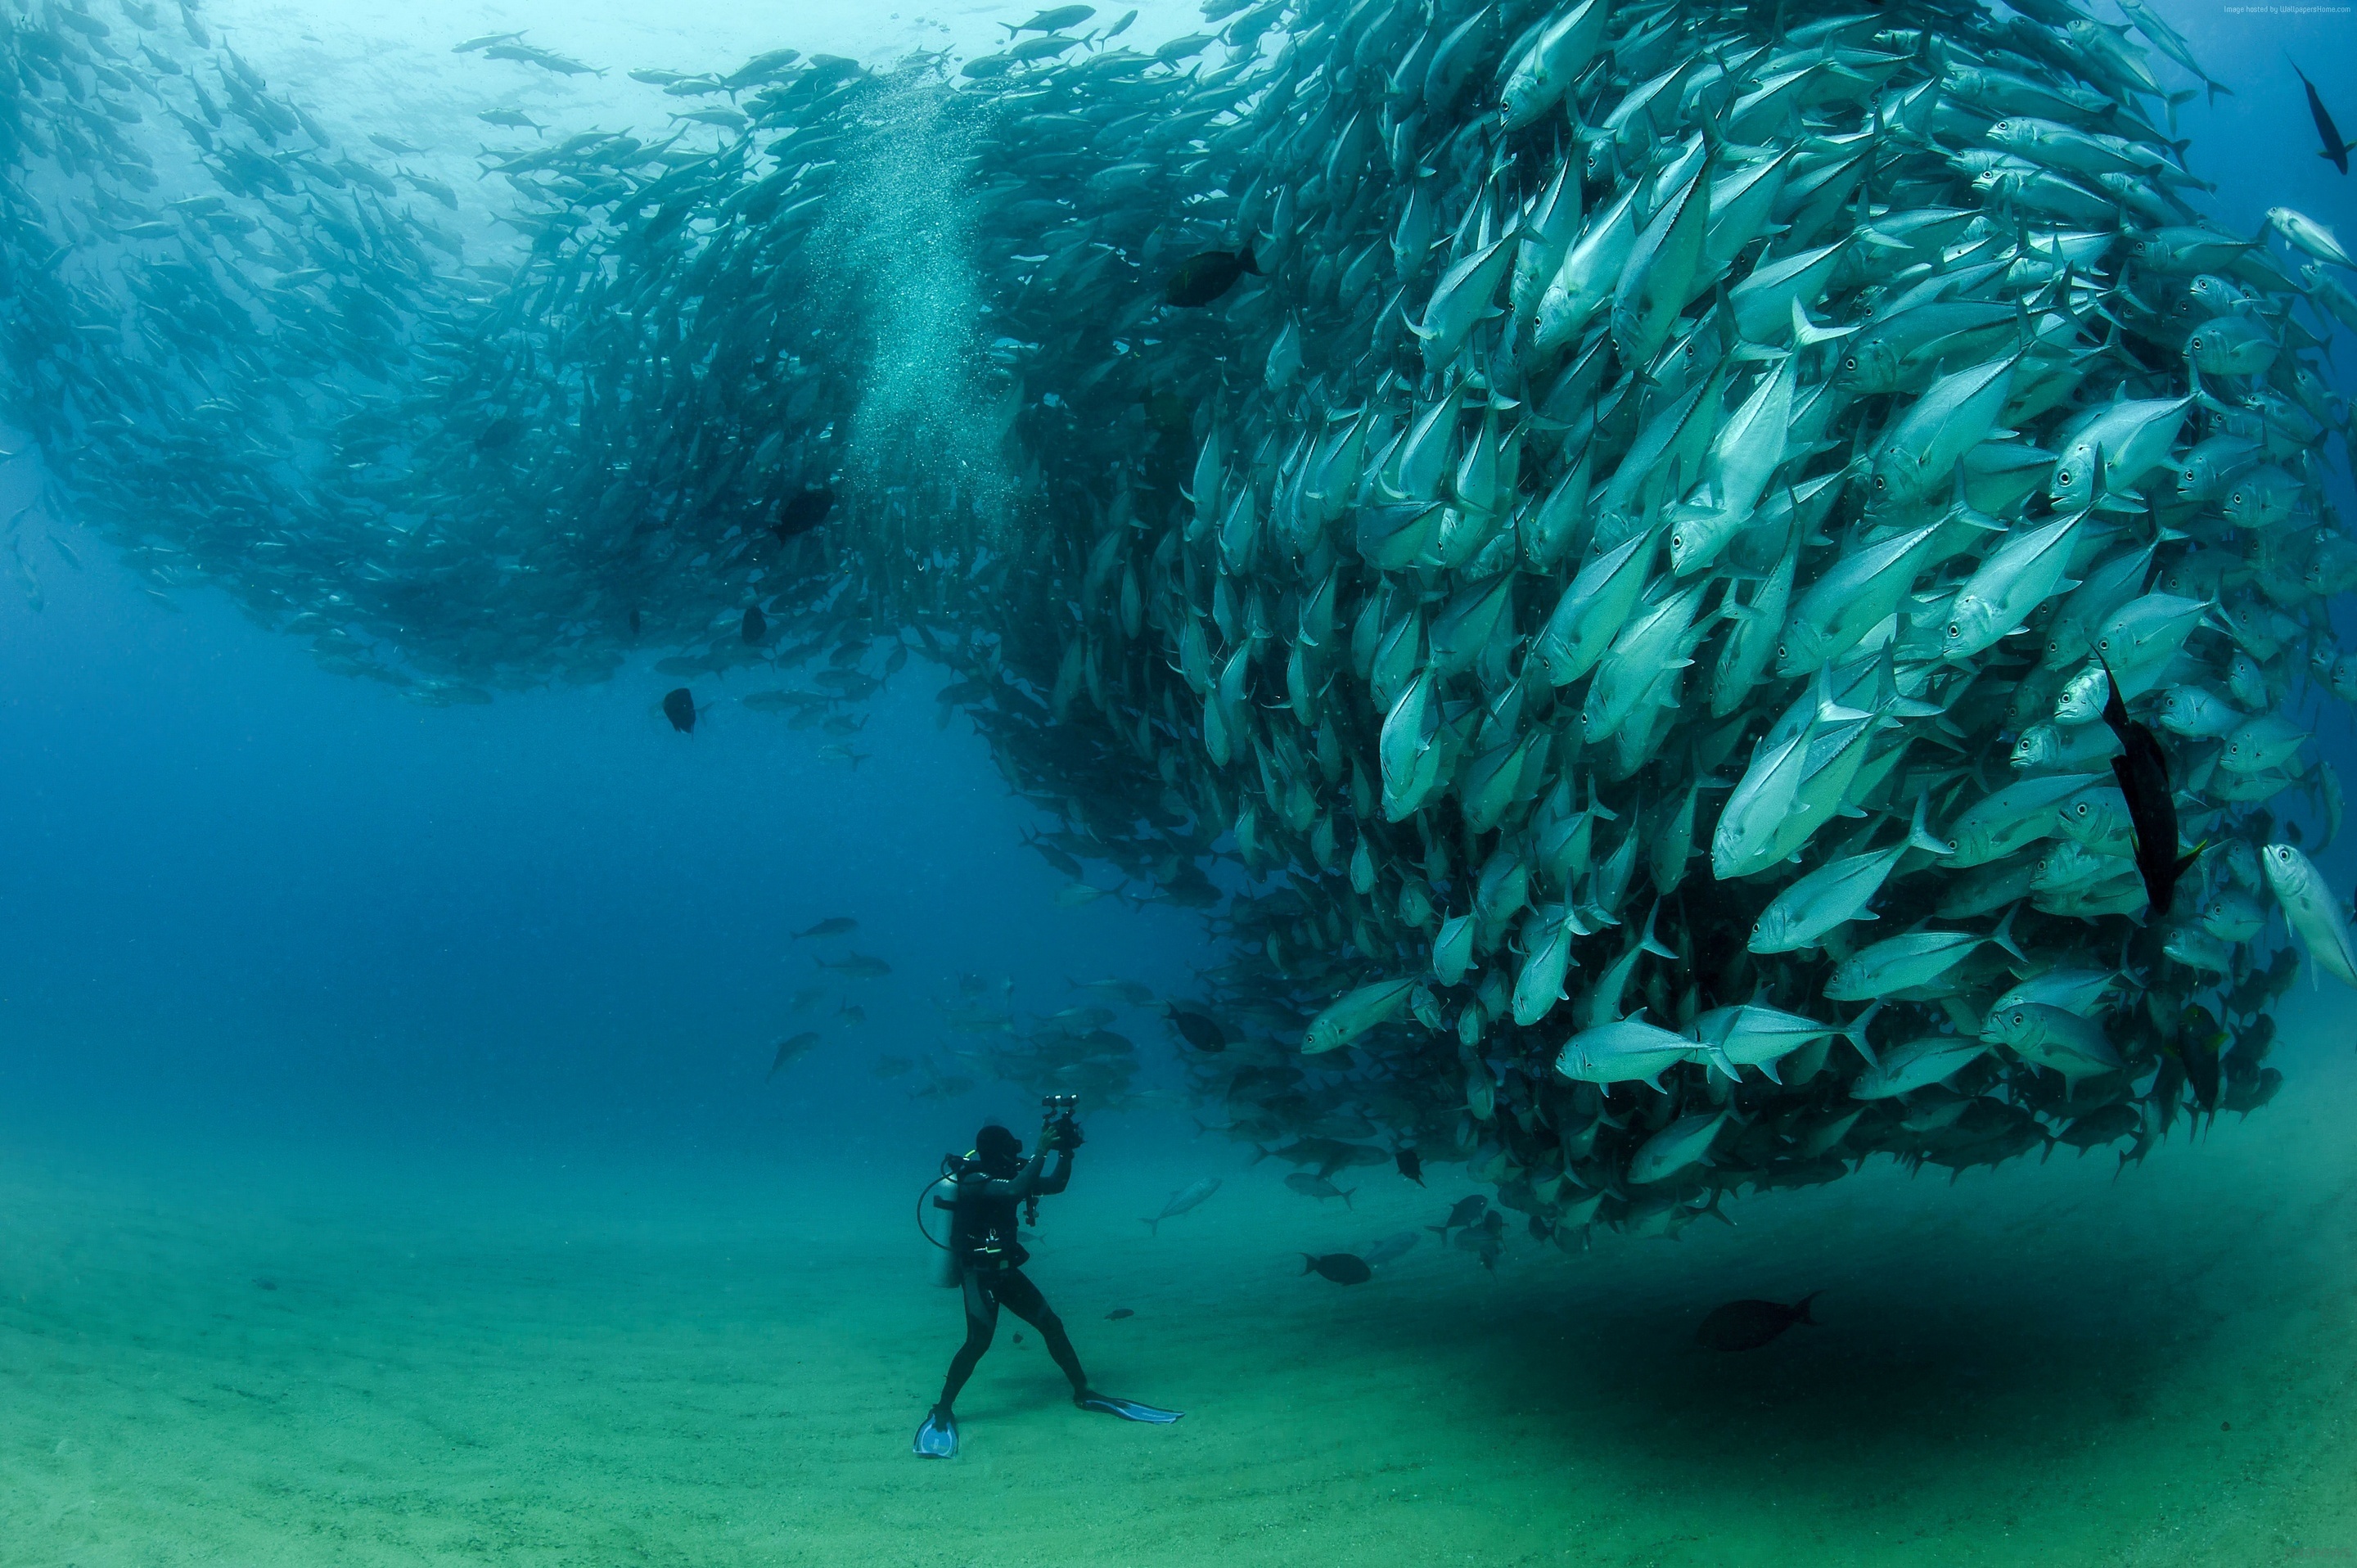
{"x":1062,"y":1134}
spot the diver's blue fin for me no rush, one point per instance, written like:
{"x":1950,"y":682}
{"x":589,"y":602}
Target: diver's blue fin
{"x":938,"y":1438}
{"x":1128,"y":1410}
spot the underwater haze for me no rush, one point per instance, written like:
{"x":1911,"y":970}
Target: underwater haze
{"x":1648,"y":701}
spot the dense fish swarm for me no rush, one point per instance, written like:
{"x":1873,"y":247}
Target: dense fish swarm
{"x":1614,"y":546}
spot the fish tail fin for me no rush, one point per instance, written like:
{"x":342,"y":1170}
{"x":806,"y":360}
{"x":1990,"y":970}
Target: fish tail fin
{"x":1153,"y":1226}
{"x":1249,"y":262}
{"x":1800,"y":1308}
{"x":1346,"y":1195}
{"x":1855,"y":1033}
{"x":1920,"y":835}
{"x":1828,"y":711}
{"x":1652,"y":943}
{"x":1807,"y":334}
{"x":2003,"y":935}
{"x":1308,"y":1263}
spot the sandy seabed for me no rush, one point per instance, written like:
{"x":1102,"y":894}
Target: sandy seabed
{"x":350,"y":1363}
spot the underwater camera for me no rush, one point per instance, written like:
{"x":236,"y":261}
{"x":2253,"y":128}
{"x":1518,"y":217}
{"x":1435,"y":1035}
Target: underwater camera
{"x":1062,"y":1134}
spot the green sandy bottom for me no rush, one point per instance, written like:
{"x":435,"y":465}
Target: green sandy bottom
{"x":2039,"y":1366}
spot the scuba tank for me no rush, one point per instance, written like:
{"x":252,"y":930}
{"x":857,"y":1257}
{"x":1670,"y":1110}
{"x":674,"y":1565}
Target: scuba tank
{"x":941,"y":1193}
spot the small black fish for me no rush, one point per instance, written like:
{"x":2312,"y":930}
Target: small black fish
{"x":1318,"y":1187}
{"x":2143,"y":773}
{"x":634,"y":620}
{"x":501,"y":432}
{"x":2336,"y":151}
{"x":265,"y":1284}
{"x":1342,"y":1268}
{"x":679,"y":707}
{"x":1749,"y":1325}
{"x":1466,"y":1211}
{"x":2108,"y":1125}
{"x":1205,"y":276}
{"x":2199,"y":1055}
{"x":756,"y":626}
{"x":1410,"y":1162}
{"x":789,"y":1050}
{"x":1199,"y":1031}
{"x":1119,"y":1313}
{"x":802,"y":511}
{"x":835,"y":926}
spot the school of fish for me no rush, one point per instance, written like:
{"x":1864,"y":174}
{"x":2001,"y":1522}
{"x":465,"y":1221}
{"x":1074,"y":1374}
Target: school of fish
{"x":1661,"y":572}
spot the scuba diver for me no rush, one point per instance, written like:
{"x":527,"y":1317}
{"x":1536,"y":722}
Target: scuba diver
{"x":982,"y":1190}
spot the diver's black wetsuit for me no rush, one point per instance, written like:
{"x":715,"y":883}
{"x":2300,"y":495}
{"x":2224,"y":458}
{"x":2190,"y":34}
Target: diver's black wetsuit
{"x":984,"y":1217}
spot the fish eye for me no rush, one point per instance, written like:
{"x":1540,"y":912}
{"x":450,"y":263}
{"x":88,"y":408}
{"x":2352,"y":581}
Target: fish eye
{"x":1954,"y":629}
{"x":2063,"y":475}
{"x":1849,"y":362}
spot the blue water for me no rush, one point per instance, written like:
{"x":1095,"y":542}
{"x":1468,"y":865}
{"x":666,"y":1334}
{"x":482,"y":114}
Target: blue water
{"x":452,"y":1025}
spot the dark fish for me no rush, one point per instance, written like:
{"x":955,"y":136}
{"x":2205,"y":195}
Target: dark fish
{"x":679,"y":707}
{"x":1749,"y":1325}
{"x":510,"y":119}
{"x":1057,"y":858}
{"x":2108,"y":1125}
{"x":2197,"y":1040}
{"x":788,"y":1049}
{"x":1118,"y":1313}
{"x":265,"y":1284}
{"x":802,"y":512}
{"x":836,"y":925}
{"x":1466,"y":1211}
{"x":893,"y":1067}
{"x":634,"y":620}
{"x":501,"y":432}
{"x":1309,"y":1186}
{"x":756,"y":626}
{"x":1410,"y":1164}
{"x":1054,"y":20}
{"x":1206,"y":276}
{"x":1342,"y":1268}
{"x":1199,"y":1031}
{"x":2143,"y":773}
{"x":2336,"y":151}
